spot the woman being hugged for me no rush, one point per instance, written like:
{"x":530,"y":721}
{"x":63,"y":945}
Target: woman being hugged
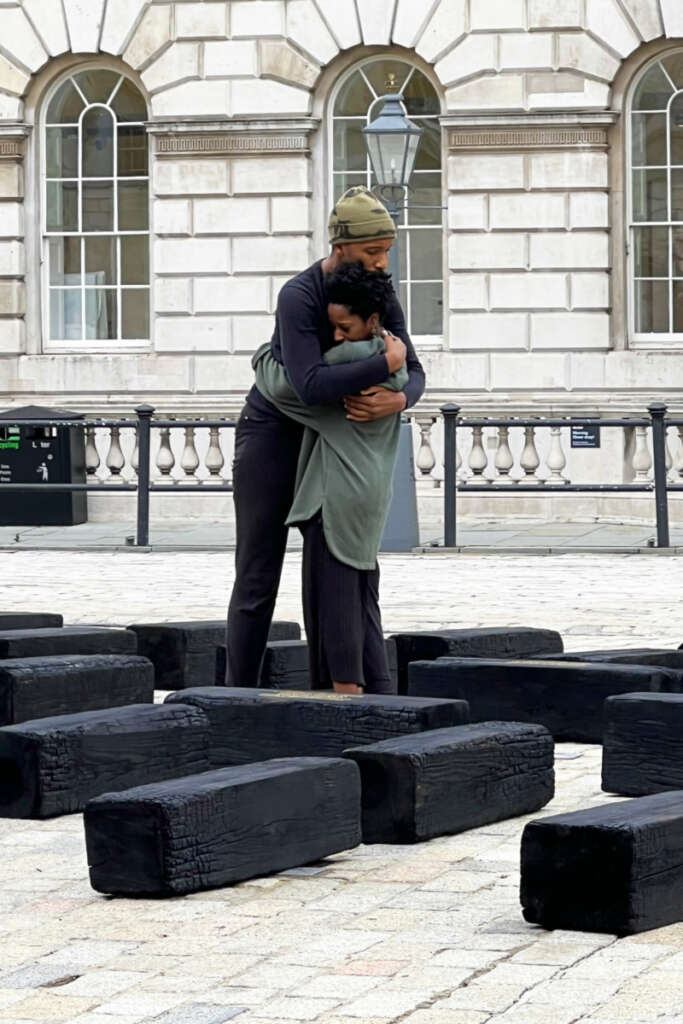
{"x":343,"y":491}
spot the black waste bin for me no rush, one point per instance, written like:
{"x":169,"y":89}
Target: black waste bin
{"x":30,"y":455}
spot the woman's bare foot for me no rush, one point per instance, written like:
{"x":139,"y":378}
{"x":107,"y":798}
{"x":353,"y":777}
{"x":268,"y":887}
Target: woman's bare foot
{"x":348,"y":688}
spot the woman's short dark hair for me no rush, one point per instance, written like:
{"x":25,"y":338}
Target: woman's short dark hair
{"x":362,"y":291}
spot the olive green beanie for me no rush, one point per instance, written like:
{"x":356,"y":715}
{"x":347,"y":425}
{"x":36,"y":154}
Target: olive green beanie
{"x":359,"y":216}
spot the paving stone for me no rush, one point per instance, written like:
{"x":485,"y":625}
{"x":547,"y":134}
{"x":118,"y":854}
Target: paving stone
{"x":199,"y":1013}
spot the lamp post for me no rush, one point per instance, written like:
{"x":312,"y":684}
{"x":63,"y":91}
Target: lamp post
{"x":392,"y":142}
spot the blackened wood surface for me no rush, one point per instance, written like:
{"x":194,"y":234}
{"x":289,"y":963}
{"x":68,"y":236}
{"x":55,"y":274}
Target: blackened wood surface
{"x":494,"y":642}
{"x":222,"y":826}
{"x":285,"y":666}
{"x":39,"y":643}
{"x":299,"y":670}
{"x":617,"y":868}
{"x":448,"y":780}
{"x":643,"y":744}
{"x":184,"y":653}
{"x":53,"y":766}
{"x":30,"y":620}
{"x":254,"y":725}
{"x":566,"y":697}
{"x":627,"y":656}
{"x":68,"y":683}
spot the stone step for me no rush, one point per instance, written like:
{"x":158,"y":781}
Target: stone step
{"x":184,"y":653}
{"x":52,"y":766}
{"x":40,"y":643}
{"x":448,"y":780}
{"x":222,"y":827}
{"x":255,"y":725}
{"x":68,"y":683}
{"x":566,"y":697}
{"x":30,"y":620}
{"x":627,"y":656}
{"x":617,"y":868}
{"x":643,"y":745}
{"x":488,"y":642}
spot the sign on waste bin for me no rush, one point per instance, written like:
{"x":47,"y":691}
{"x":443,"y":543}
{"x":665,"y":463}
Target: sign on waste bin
{"x":31,"y":454}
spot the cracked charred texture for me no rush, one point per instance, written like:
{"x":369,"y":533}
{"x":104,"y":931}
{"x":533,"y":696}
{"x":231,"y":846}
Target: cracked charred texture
{"x":185,"y":653}
{"x":643,"y":746}
{"x":488,"y":642}
{"x":617,"y":868}
{"x":30,"y":620}
{"x":53,"y":766}
{"x":254,"y":725}
{"x":67,"y":683}
{"x":222,"y":827}
{"x":38,"y":643}
{"x":448,"y":780}
{"x":566,"y":697}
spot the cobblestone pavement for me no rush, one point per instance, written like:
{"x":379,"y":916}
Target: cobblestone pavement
{"x":430,"y":934}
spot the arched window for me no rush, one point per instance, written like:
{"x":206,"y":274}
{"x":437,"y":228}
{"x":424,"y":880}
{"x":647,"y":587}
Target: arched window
{"x":656,"y":203}
{"x":96,"y":211}
{"x":421,"y":237}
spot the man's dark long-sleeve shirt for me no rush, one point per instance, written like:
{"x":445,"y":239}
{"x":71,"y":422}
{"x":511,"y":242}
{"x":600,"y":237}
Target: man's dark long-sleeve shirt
{"x":303,"y":332}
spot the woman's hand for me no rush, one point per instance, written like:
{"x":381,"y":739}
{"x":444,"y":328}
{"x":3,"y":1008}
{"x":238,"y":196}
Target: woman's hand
{"x":396,"y":351}
{"x":374,"y":404}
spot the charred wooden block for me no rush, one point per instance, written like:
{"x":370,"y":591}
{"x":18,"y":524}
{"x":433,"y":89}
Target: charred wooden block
{"x":255,"y":725}
{"x":566,"y":697}
{"x":643,"y":745}
{"x":184,"y":653}
{"x":448,"y":780}
{"x":222,"y":827}
{"x":43,"y":643}
{"x":30,"y":620}
{"x":55,"y":765}
{"x":494,"y":642}
{"x":67,"y":683}
{"x":286,"y":665}
{"x":617,"y":868}
{"x":628,"y":656}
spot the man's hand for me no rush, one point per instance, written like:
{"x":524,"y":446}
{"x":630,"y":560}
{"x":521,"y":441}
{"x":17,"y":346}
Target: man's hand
{"x":374,"y":404}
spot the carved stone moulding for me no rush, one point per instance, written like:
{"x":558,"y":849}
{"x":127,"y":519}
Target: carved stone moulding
{"x":234,"y":138}
{"x":531,"y":138}
{"x":528,"y":131}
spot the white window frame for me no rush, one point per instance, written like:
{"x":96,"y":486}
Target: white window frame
{"x":94,"y":345}
{"x":651,"y":340}
{"x":422,"y":341}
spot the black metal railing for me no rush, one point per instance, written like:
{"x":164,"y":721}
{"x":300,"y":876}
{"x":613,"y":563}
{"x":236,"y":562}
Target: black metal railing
{"x":144,"y":486}
{"x":659,"y":486}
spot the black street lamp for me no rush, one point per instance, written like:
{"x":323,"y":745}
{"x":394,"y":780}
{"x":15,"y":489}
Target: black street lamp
{"x":392,"y":142}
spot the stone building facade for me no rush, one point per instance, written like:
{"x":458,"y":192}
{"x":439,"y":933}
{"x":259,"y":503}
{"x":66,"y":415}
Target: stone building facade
{"x":548,"y":282}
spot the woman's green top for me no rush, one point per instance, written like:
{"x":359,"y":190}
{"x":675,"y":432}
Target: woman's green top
{"x":345,"y":468}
